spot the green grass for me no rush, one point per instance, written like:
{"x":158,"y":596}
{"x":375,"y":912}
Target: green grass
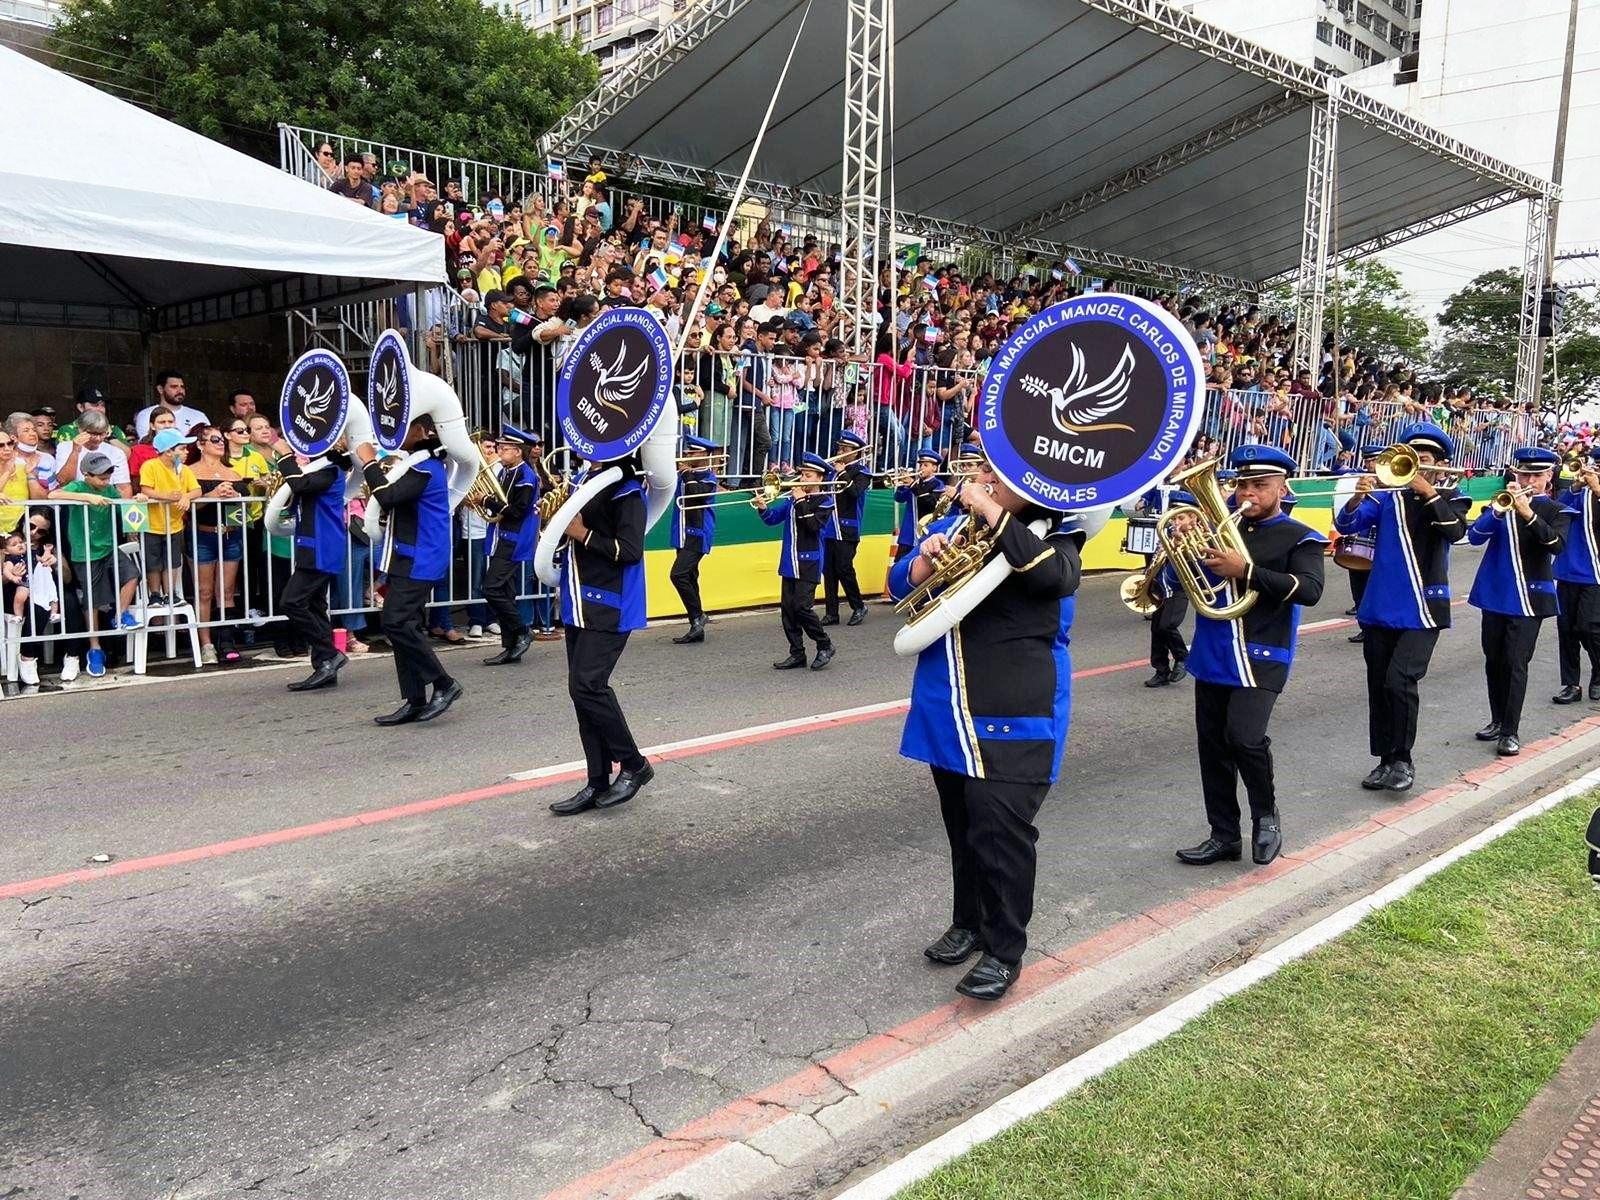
{"x":1383,"y":1065}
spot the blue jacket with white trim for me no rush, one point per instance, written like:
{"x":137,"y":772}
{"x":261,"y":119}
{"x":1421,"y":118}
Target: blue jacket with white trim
{"x":804,"y":520}
{"x":698,"y":521}
{"x":1409,"y":584}
{"x":917,"y":500}
{"x":320,"y":541}
{"x":1579,"y":560}
{"x":1516,"y":577}
{"x":602,"y":577}
{"x":992,"y":698}
{"x":1257,"y":649}
{"x":417,"y":499}
{"x":850,"y":504}
{"x":515,"y":531}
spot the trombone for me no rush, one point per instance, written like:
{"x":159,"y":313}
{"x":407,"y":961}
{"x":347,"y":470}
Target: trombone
{"x":772,"y":488}
{"x":704,"y":460}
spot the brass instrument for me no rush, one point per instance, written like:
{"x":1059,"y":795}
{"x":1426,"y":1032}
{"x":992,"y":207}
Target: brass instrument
{"x":771,"y":490}
{"x":265,"y":485}
{"x":968,"y":552}
{"x":1398,"y":465}
{"x":1501,"y":503}
{"x":704,"y":460}
{"x":1206,"y":524}
{"x":554,"y":486}
{"x":486,"y":497}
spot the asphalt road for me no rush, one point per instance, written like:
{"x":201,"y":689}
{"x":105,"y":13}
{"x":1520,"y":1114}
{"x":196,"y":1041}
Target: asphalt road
{"x":486,"y":1001}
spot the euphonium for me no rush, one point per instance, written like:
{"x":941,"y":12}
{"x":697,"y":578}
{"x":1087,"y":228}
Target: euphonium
{"x":1210,"y":526}
{"x":485,"y":497}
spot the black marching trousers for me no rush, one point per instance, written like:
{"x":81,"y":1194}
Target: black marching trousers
{"x":1358,"y":586}
{"x":992,"y":857}
{"x":685,"y":577}
{"x":795,"y":600}
{"x":1166,"y":634}
{"x":592,"y":655}
{"x":1232,"y":727}
{"x":839,"y":567}
{"x":305,"y":603}
{"x":1508,"y":644}
{"x":405,"y":623}
{"x":1396,"y":660}
{"x":500,"y":579}
{"x":1576,"y":629}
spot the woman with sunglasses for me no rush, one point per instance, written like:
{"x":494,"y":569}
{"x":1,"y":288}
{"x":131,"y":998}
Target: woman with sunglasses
{"x":218,"y":545}
{"x":17,"y":485}
{"x":327,"y":163}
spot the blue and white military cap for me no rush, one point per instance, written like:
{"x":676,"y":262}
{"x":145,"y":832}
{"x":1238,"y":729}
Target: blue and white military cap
{"x":1254,"y":461}
{"x":1428,"y":436}
{"x":1534,"y":458}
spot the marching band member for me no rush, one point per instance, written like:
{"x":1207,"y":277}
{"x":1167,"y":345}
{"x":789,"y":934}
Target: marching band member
{"x":1168,"y":650}
{"x":989,"y":711}
{"x":694,"y":527}
{"x":844,"y":534}
{"x":416,"y":558}
{"x":1577,"y":571}
{"x":319,"y":556}
{"x":1515,"y":587}
{"x":602,"y":602}
{"x":917,"y":498}
{"x":804,"y":514}
{"x":1358,"y":578}
{"x":1406,"y":600}
{"x":513,"y":533}
{"x":1240,"y":666}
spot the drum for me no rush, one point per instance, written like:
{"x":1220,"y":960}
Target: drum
{"x":1353,"y":551}
{"x":1141,"y":536}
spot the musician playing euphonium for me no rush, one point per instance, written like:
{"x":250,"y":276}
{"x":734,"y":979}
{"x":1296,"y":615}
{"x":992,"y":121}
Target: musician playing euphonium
{"x":1406,"y":599}
{"x":989,"y":710}
{"x":1240,"y":666}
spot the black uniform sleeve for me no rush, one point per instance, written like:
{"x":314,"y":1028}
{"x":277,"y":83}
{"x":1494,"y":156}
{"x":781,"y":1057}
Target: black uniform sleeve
{"x":1448,"y":512}
{"x":1300,"y":584}
{"x":628,"y":544}
{"x":1548,"y":528}
{"x":859,"y":482}
{"x":302,"y":484}
{"x":1047,"y":566}
{"x":809,"y":514}
{"x":405,"y":488}
{"x":518,"y":501}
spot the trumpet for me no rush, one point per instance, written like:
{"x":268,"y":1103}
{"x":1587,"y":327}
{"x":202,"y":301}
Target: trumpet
{"x":1502,"y":502}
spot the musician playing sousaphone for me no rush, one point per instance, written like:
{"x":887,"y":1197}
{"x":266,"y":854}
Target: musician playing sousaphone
{"x":1243,"y":647}
{"x":1088,"y":404}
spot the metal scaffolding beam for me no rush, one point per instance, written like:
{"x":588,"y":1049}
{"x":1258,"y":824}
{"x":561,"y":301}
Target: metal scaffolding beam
{"x":866,"y":97}
{"x":1529,"y":345}
{"x":1311,"y":287}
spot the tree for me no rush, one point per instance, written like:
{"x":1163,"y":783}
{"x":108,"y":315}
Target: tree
{"x":451,"y":76}
{"x":1478,"y":341}
{"x":1369,"y":308}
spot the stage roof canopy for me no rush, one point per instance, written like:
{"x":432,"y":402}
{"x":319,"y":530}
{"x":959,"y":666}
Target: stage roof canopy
{"x":1125,"y":132}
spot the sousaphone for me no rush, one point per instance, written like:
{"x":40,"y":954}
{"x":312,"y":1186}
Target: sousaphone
{"x":315,"y":411}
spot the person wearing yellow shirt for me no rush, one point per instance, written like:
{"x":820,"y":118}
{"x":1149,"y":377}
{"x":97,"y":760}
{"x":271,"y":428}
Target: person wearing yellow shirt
{"x":167,"y":481}
{"x":17,"y":486}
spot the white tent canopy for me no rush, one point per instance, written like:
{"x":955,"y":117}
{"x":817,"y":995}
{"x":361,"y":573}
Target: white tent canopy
{"x":113,"y":217}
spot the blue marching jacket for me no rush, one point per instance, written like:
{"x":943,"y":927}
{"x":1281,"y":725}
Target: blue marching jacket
{"x":515,"y":533}
{"x":319,"y":527}
{"x":1257,"y":649}
{"x":850,"y":504}
{"x":602,"y":577}
{"x":992,"y":698}
{"x":1579,"y":560}
{"x":1409,"y":584}
{"x":1516,"y":576}
{"x":417,"y":500}
{"x":804,"y":522}
{"x":917,"y":500}
{"x":697,"y":522}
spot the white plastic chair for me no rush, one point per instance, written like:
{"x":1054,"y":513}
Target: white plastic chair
{"x":176,"y":613}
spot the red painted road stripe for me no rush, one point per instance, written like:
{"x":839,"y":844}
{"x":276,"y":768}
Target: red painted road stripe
{"x":660,"y":1158}
{"x":379,"y":816}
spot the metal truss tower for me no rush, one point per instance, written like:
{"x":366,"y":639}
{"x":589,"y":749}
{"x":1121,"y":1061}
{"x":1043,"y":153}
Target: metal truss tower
{"x":869,"y":34}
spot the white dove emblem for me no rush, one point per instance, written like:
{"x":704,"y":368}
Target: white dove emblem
{"x":385,"y":387}
{"x":1079,"y":408}
{"x":316,"y":403}
{"x":612,"y":387}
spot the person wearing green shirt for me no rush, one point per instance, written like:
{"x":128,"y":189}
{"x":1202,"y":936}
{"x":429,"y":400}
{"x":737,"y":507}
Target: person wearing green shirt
{"x":108,"y":583}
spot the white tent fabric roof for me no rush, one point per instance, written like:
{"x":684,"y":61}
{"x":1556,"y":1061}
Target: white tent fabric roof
{"x":1125,"y":126}
{"x":115,"y":217}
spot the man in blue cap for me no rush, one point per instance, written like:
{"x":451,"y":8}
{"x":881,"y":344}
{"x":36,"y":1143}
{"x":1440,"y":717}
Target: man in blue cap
{"x":1577,"y":571}
{"x":917,"y":497}
{"x":844,"y":533}
{"x":1240,"y":665}
{"x":1515,"y":587}
{"x":694,"y":528}
{"x":1358,"y":575}
{"x":513,"y":534}
{"x":803,"y":511}
{"x":1405,"y":601}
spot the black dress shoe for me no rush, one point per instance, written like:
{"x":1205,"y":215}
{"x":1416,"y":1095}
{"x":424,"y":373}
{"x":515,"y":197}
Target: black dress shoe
{"x":1570,"y":694}
{"x":823,"y":658}
{"x":830,"y":619}
{"x":1594,"y":689}
{"x":1266,"y":841}
{"x":1178,"y":673}
{"x":626,"y":787}
{"x":695,"y":634}
{"x":1359,"y":636}
{"x":790,"y":663}
{"x":1159,"y":679}
{"x":858,"y":615}
{"x":1401,"y":776}
{"x":956,"y":946}
{"x":1351,"y":611}
{"x":403,"y":715}
{"x":1489,"y":733}
{"x":520,"y":646}
{"x":1208,"y":852}
{"x":325,"y":676}
{"x":440,"y":702}
{"x":581,"y":801}
{"x":1508,"y":746}
{"x":1378,"y":778}
{"x":989,"y":980}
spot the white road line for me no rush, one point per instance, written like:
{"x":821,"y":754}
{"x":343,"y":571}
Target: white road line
{"x":1049,"y":1088}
